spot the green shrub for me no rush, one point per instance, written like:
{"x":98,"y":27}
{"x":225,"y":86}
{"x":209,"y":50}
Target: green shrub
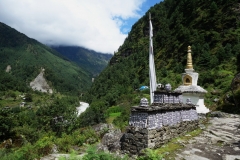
{"x":65,"y":142}
{"x":93,"y":154}
{"x":113,"y":109}
{"x":44,"y":145}
{"x":78,"y":137}
{"x":73,"y":156}
{"x":151,"y":155}
{"x":26,"y":152}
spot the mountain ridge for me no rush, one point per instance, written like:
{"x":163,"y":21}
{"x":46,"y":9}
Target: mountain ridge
{"x":92,"y":61}
{"x":27,"y":56}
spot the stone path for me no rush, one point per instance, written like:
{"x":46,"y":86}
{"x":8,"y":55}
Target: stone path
{"x":220,"y":140}
{"x":58,"y":156}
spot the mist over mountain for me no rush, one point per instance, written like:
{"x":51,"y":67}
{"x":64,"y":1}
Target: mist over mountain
{"x":27,"y":57}
{"x":92,"y":61}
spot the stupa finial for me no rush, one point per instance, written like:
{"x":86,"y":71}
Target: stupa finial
{"x":189,"y":59}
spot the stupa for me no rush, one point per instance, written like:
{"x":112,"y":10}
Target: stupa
{"x":153,"y":124}
{"x":190,"y":90}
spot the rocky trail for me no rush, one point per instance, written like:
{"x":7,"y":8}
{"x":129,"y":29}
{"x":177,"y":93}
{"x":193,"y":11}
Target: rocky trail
{"x":220,"y":140}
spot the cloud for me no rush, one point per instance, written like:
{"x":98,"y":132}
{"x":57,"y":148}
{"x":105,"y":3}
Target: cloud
{"x":94,"y":24}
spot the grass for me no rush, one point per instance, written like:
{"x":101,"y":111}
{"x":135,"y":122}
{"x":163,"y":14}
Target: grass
{"x":112,"y":116}
{"x":13,"y":102}
{"x":169,"y":150}
{"x":10,"y":102}
{"x":7,"y":100}
{"x":115,"y":114}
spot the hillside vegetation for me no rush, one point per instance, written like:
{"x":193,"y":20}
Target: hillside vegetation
{"x":91,"y":61}
{"x":212,"y":28}
{"x":32,"y":122}
{"x":27,"y":56}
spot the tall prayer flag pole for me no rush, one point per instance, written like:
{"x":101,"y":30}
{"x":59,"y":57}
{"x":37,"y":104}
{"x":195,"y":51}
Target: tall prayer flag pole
{"x":152,"y":74}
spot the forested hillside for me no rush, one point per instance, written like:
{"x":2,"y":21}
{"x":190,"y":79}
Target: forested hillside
{"x":92,"y":61}
{"x":212,"y":28}
{"x":30,"y":121}
{"x":26,"y":57}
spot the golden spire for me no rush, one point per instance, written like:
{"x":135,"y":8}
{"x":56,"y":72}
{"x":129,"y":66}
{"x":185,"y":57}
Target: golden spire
{"x":189,"y":59}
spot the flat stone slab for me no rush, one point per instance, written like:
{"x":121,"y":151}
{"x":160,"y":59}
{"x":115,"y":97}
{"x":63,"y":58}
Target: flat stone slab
{"x":58,"y":156}
{"x":220,"y":140}
{"x":230,"y":157}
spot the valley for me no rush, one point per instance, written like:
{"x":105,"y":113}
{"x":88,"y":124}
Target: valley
{"x":67,"y":100}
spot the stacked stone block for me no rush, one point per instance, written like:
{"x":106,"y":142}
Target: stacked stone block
{"x":136,"y":139}
{"x":158,"y":118}
{"x":151,"y":126}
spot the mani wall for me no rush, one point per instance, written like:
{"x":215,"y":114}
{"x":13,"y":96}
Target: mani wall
{"x":153,"y":120}
{"x":154,"y":125}
{"x":136,"y":139}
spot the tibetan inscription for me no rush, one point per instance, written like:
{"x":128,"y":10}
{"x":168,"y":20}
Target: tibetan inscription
{"x":185,"y":114}
{"x":193,"y":114}
{"x":155,"y":120}
{"x":138,"y":119}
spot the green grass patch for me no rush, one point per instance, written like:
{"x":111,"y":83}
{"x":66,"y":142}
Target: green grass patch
{"x":115,"y":114}
{"x":10,"y":102}
{"x":112,"y":116}
{"x":112,"y":113}
{"x":169,"y":150}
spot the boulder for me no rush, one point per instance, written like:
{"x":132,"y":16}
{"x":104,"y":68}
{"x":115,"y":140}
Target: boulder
{"x":217,"y":114}
{"x":111,"y":138}
{"x":6,"y":143}
{"x":102,"y":128}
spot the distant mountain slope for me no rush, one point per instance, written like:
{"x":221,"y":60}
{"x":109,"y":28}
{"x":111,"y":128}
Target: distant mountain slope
{"x":27,"y":56}
{"x":92,"y":61}
{"x":212,"y":28}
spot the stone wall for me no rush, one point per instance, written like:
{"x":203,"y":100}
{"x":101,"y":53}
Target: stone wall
{"x":167,"y":98}
{"x":135,"y":139}
{"x":159,"y":118}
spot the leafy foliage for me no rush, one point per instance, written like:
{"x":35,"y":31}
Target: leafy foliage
{"x":34,"y":131}
{"x":58,"y":115}
{"x":151,"y":155}
{"x":93,"y":115}
{"x":42,"y":120}
{"x":93,"y":154}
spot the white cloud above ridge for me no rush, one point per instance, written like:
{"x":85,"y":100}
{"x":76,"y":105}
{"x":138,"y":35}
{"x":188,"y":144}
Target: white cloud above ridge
{"x":93,"y":24}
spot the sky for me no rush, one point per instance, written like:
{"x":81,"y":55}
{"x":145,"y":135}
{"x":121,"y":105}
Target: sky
{"x":100,"y":25}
